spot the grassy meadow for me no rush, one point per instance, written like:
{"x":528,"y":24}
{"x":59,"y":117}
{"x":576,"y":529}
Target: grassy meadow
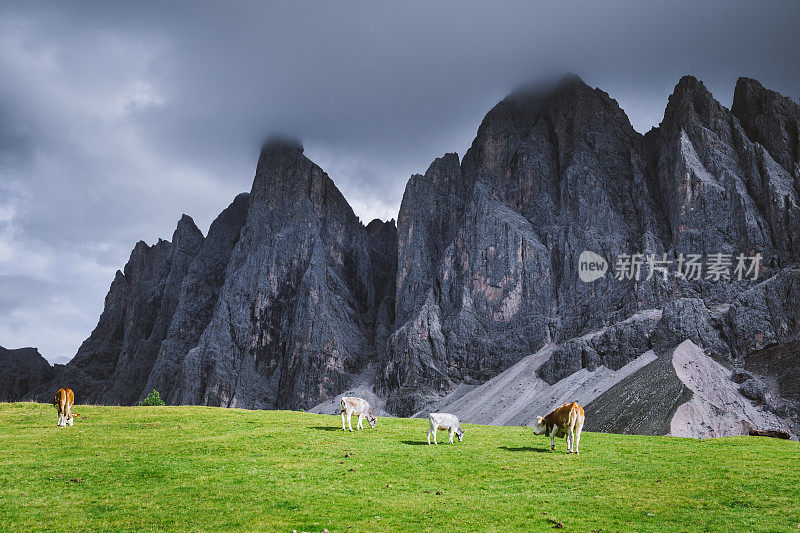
{"x":201,"y":468}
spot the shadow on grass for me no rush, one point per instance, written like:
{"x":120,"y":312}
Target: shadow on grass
{"x":326,"y":428}
{"x":524,"y":449}
{"x":416,"y":442}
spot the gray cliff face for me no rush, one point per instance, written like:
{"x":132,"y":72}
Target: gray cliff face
{"x":198,"y":297}
{"x":21,"y":370}
{"x":723,"y":192}
{"x":488,"y":273}
{"x":290,"y":297}
{"x":770,"y":119}
{"x":445,"y":295}
{"x":382,"y":245}
{"x":158,"y":291}
{"x":113,"y":365}
{"x":285,"y":301}
{"x":551,"y":173}
{"x":296,"y":316}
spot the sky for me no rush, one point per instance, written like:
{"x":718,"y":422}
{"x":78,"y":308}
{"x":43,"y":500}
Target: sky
{"x":116,"y":118}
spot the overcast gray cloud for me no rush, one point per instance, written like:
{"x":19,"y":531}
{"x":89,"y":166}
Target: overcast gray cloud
{"x":117,"y":118}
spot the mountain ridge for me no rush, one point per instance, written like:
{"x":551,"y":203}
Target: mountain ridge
{"x":290,"y":297}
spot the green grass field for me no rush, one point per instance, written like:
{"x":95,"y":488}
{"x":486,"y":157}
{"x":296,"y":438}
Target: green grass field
{"x":198,"y":468}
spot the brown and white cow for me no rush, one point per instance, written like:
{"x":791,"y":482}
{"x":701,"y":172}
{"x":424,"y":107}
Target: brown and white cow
{"x":63,"y":401}
{"x":359,"y":406}
{"x":566,"y":420}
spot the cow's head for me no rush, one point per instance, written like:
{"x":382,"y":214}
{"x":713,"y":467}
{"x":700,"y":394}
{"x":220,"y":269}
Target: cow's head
{"x":540,"y":426}
{"x":460,"y":433}
{"x":372,"y":418}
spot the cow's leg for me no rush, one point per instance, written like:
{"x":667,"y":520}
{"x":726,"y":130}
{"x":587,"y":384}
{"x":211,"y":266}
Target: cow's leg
{"x":70,"y":421}
{"x":578,"y":437}
{"x":429,"y":435}
{"x":343,"y":427}
{"x":60,"y":417}
{"x":435,"y":431}
{"x":451,"y":435}
{"x":360,"y":424}
{"x":349,"y":417}
{"x":64,"y":410}
{"x":553,"y":440}
{"x":570,"y":439}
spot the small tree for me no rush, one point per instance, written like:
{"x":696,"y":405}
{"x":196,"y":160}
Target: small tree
{"x":153,"y":399}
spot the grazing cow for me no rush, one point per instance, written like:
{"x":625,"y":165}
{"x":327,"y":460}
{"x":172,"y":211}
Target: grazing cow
{"x":63,"y":401}
{"x":566,"y":420}
{"x":359,"y":406}
{"x":444,"y":422}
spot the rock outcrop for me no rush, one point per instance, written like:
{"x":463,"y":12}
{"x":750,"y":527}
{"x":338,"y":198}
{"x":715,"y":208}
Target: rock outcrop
{"x":305,"y":286}
{"x":552,"y":172}
{"x":491,"y":273}
{"x":290,"y":301}
{"x":199,"y":294}
{"x":22,"y":370}
{"x":281,"y":305}
{"x":685,"y":394}
{"x":770,"y":119}
{"x":113,"y":365}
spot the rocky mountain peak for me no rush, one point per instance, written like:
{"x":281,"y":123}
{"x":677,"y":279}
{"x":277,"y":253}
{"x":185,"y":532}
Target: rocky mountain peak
{"x":291,"y":301}
{"x":288,"y":182}
{"x":186,"y":224}
{"x":771,"y":120}
{"x":563,"y":115}
{"x":277,"y":145}
{"x":378,"y":228}
{"x":279,"y":156}
{"x":20,"y":371}
{"x":444,"y":175}
{"x":691,"y":102}
{"x":187,"y":233}
{"x":527,"y":100}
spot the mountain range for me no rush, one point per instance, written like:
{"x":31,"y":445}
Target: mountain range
{"x":474,"y":300}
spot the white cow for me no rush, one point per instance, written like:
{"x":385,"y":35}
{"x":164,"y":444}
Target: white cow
{"x":359,"y":406}
{"x":445,"y":422}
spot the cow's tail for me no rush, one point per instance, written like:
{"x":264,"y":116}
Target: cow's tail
{"x":576,"y":415}
{"x":573,"y":414}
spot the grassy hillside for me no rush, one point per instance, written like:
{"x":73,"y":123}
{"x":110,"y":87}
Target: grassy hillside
{"x":193,"y":468}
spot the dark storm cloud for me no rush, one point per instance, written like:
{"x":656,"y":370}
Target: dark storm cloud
{"x":116,"y":118}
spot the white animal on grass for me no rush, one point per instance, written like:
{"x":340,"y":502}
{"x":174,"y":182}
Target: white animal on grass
{"x":359,"y":406}
{"x":566,"y":420}
{"x":444,"y":422}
